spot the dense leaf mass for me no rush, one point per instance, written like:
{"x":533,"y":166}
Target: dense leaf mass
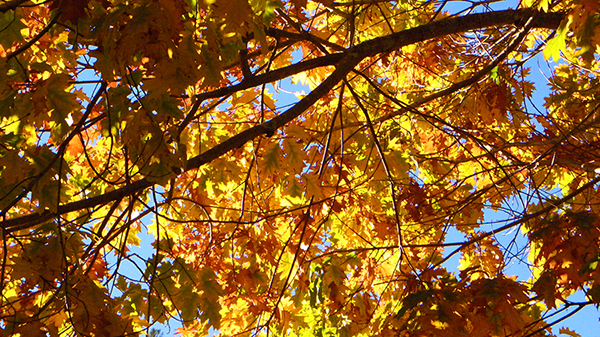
{"x":298,"y":168}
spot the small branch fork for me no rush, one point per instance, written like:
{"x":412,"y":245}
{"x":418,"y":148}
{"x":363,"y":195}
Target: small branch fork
{"x":30,"y":43}
{"x":388,"y":172}
{"x":59,"y":153}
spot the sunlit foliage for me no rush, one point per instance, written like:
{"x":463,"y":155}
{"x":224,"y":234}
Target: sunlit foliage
{"x":298,"y":168}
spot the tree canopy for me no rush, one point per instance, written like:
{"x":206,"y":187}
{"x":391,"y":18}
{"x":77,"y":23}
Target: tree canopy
{"x":392,"y":197}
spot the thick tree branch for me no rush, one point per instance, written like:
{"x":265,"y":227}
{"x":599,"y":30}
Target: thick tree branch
{"x":347,"y":61}
{"x":10,"y":5}
{"x":257,"y":80}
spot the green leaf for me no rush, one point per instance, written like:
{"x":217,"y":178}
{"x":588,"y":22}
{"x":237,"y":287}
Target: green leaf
{"x":269,"y":14}
{"x":271,"y":158}
{"x":10,"y":29}
{"x":209,"y":300}
{"x":557,"y":43}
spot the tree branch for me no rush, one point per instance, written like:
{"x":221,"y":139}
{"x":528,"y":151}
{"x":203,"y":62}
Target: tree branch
{"x":10,"y":5}
{"x":347,"y":61}
{"x":35,"y":38}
